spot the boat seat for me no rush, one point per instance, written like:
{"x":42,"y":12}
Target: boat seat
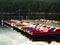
{"x":50,"y":31}
{"x":57,"y":30}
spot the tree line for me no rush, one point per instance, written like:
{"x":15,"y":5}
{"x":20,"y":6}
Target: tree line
{"x":34,"y":6}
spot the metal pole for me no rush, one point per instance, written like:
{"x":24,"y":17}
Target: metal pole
{"x":22,"y":17}
{"x":26,"y":17}
{"x":2,"y":20}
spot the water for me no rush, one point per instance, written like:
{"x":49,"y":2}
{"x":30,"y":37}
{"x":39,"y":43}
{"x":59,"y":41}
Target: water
{"x":9,"y":37}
